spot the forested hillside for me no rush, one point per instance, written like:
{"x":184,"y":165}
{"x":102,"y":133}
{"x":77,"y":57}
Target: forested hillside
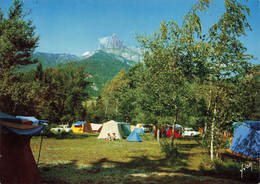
{"x":49,"y":60}
{"x":102,"y":67}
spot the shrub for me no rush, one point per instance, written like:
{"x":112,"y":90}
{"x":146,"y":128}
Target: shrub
{"x":168,"y":150}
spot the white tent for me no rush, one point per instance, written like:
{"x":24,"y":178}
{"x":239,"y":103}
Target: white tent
{"x":96,"y":127}
{"x":140,"y":126}
{"x":110,"y":128}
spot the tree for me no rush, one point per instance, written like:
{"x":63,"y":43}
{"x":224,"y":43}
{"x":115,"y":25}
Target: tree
{"x":174,"y":58}
{"x":111,"y":96}
{"x":227,"y":57}
{"x":131,"y":110}
{"x":18,"y":39}
{"x":248,"y":95}
{"x":63,"y":92}
{"x":17,"y":43}
{"x":178,"y":57}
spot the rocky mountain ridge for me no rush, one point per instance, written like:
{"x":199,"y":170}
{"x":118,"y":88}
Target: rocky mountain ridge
{"x":113,"y":45}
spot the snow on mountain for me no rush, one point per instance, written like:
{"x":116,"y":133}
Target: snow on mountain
{"x":113,"y":45}
{"x":88,"y":53}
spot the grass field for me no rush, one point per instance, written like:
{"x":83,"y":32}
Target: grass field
{"x":85,"y":159}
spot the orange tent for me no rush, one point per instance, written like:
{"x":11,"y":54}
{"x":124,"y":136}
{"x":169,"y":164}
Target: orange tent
{"x":81,"y":127}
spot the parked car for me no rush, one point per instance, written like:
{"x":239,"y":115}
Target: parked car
{"x":62,"y":128}
{"x":190,"y":132}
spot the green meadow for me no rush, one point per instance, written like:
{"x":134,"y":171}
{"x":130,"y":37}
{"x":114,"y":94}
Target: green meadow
{"x":83,"y":158}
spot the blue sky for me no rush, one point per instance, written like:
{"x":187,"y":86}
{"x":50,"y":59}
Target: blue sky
{"x":74,"y":26}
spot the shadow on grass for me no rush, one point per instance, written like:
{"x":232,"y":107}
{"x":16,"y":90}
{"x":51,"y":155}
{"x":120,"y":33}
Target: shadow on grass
{"x":187,"y":147}
{"x":138,"y":170}
{"x":98,"y":173}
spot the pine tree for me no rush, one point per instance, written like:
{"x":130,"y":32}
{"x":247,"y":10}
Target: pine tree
{"x":17,"y":44}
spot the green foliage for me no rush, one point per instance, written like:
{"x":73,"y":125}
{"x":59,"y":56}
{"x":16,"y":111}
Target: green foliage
{"x":111,"y":97}
{"x":189,"y":77}
{"x":168,"y":150}
{"x":55,"y":94}
{"x":62,"y":93}
{"x":120,"y":98}
{"x":102,"y":67}
{"x":227,"y":57}
{"x":248,"y":95}
{"x":17,"y":38}
{"x":17,"y":43}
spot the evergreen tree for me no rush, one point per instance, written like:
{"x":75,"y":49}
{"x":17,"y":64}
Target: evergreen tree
{"x":17,"y":38}
{"x":63,"y":92}
{"x":17,"y":43}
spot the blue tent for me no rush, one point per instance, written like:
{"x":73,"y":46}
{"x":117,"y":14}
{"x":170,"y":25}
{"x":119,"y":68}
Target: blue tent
{"x":79,"y":123}
{"x":139,"y":130}
{"x":134,"y":137}
{"x":246,"y":140}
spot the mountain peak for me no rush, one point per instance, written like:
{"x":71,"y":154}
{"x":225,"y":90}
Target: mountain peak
{"x":113,"y":45}
{"x":114,"y":36}
{"x":111,"y":42}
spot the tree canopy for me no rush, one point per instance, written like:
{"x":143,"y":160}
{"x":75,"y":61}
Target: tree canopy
{"x":193,"y":75}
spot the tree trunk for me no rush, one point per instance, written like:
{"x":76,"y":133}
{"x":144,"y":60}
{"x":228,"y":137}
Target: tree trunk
{"x":172,"y":141}
{"x":174,"y":123}
{"x":208,"y":109}
{"x":212,"y":141}
{"x":158,"y":136}
{"x":205,"y":131}
{"x":213,"y":131}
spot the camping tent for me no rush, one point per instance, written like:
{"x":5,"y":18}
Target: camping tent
{"x":81,"y":127}
{"x":139,"y":130}
{"x":111,"y":127}
{"x":34,"y":120}
{"x":125,"y":129}
{"x":132,"y":127}
{"x":134,"y":137}
{"x":140,"y":126}
{"x":176,"y":131}
{"x":96,"y":127}
{"x":246,"y":140}
{"x":29,"y":118}
{"x":17,"y":164}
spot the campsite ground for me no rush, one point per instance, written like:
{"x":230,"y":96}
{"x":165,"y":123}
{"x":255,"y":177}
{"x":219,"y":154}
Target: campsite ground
{"x":85,"y":159}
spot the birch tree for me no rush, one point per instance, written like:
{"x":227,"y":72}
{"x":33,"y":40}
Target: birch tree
{"x":227,"y":58}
